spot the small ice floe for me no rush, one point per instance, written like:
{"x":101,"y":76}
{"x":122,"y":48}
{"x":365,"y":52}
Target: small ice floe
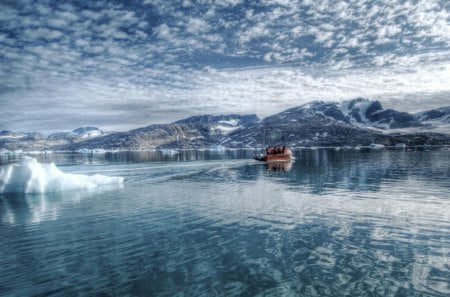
{"x":218,"y":148}
{"x":169,"y":152}
{"x":400,"y":145}
{"x":29,"y":176}
{"x":4,"y":151}
{"x":92,"y":151}
{"x":377,"y":146}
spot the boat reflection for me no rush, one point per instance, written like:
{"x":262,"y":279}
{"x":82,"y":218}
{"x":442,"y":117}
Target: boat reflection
{"x":279,"y":166}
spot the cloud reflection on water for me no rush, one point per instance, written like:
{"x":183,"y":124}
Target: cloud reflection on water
{"x":338,"y":223}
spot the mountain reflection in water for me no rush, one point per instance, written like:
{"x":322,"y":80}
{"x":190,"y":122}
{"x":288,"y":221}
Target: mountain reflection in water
{"x":202,"y":223}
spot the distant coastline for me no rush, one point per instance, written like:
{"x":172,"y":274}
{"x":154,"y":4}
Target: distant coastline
{"x":355,"y":123}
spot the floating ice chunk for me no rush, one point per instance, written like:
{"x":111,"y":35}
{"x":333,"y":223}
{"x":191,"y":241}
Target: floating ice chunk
{"x":377,"y":146}
{"x":29,"y":176}
{"x":5,"y":152}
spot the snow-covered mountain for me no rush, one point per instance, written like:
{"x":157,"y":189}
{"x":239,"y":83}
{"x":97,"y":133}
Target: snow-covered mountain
{"x":186,"y":136}
{"x":194,"y":132}
{"x":222,"y":124}
{"x":307,"y":125}
{"x":355,"y":122}
{"x":36,"y":141}
{"x":362,"y":113}
{"x":9,"y":135}
{"x":79,"y":133}
{"x":438,"y":115}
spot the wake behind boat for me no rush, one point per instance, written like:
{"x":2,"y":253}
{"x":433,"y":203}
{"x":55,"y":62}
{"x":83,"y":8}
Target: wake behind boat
{"x":277,"y":153}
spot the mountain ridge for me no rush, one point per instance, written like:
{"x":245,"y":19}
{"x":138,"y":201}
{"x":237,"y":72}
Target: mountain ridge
{"x":319,"y":123}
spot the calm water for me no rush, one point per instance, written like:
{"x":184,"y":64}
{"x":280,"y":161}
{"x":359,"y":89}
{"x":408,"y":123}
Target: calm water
{"x":333,"y":223}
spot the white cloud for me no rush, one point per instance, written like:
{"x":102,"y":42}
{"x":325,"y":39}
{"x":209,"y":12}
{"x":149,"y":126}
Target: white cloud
{"x":92,"y":15}
{"x":7,"y":13}
{"x":228,"y":3}
{"x":197,"y":25}
{"x":264,"y":90}
{"x":67,"y":15}
{"x":254,"y":32}
{"x":351,"y":42}
{"x":151,"y":55}
{"x":42,"y":33}
{"x":165,"y":32}
{"x":321,"y":36}
{"x":393,"y":30}
{"x":58,"y":23}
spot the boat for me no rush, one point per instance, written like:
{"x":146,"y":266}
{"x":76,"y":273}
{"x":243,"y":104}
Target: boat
{"x":276,"y":154}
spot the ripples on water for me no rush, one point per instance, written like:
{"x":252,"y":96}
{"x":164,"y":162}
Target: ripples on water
{"x":335,"y":223}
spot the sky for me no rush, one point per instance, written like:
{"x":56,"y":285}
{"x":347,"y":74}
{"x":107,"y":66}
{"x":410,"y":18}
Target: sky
{"x":119,"y":65}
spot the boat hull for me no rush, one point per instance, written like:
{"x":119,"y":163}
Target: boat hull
{"x":275,"y":157}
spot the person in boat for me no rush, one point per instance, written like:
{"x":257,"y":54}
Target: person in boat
{"x":276,"y":150}
{"x":277,"y":153}
{"x":272,"y":150}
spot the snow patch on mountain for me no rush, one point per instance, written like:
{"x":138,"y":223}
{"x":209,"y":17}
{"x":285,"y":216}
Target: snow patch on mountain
{"x":356,"y":110}
{"x":79,"y":133}
{"x":441,"y":115}
{"x":222,"y":124}
{"x":86,"y":132}
{"x":437,"y":119}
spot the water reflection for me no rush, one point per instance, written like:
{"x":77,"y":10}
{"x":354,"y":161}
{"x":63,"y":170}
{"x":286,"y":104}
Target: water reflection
{"x":284,"y":166}
{"x":337,"y":223}
{"x":264,"y":236}
{"x":25,"y":209}
{"x":322,"y":171}
{"x":134,"y":156}
{"x":312,"y":171}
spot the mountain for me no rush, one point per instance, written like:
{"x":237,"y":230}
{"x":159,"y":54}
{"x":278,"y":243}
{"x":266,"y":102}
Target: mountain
{"x":439,"y":115}
{"x":300,"y":127}
{"x":329,"y":124}
{"x":232,"y":119}
{"x":194,"y":132}
{"x":222,"y":124}
{"x":153,"y":136}
{"x":356,"y":122}
{"x":36,"y":141}
{"x":79,"y":133}
{"x":363,"y":113}
{"x":14,"y":136}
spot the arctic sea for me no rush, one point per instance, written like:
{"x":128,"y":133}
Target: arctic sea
{"x":203,"y":223}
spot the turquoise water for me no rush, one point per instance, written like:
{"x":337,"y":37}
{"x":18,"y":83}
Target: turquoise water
{"x":332,"y":223}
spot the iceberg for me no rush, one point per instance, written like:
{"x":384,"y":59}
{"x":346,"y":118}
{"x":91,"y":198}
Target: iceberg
{"x":30,"y":176}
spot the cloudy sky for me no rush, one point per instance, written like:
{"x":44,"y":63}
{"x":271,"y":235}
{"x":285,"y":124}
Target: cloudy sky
{"x":124,"y":64}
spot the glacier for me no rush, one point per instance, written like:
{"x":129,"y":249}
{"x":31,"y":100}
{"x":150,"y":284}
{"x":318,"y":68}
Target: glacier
{"x":30,"y":176}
